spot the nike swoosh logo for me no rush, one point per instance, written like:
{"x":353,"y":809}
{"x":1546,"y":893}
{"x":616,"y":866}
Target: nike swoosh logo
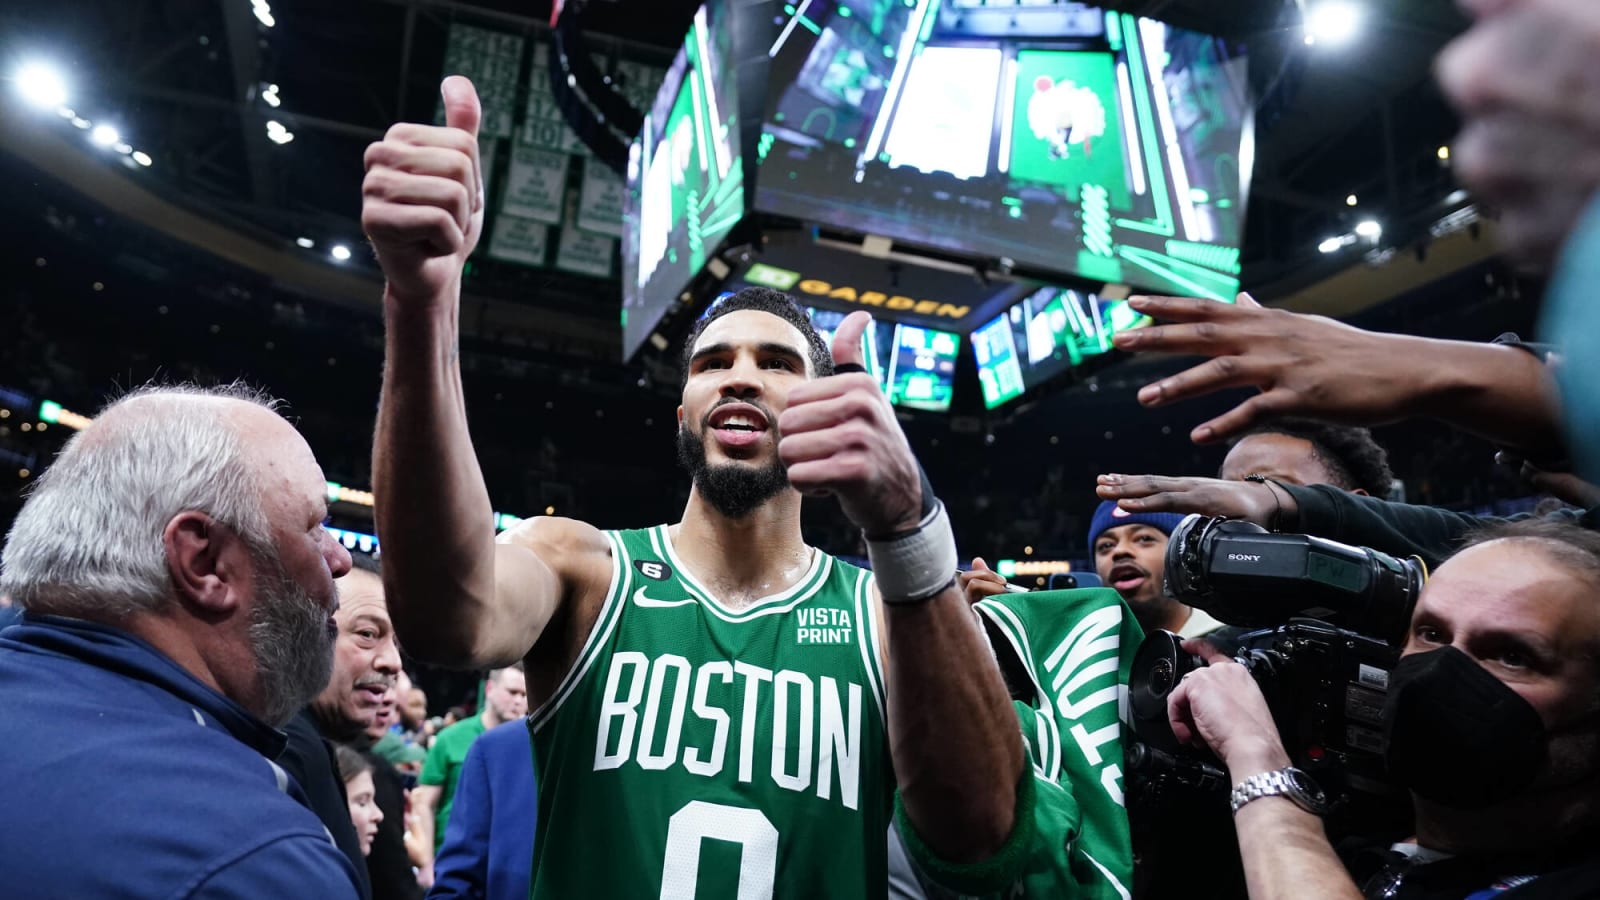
{"x":639,"y":599}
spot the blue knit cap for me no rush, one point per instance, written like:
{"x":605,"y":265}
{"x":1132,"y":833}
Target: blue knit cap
{"x":1108,"y":515}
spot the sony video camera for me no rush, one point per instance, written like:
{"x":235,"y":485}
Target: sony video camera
{"x":1329,"y":620}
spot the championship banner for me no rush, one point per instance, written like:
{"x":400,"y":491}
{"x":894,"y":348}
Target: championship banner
{"x":544,"y":126}
{"x":492,"y":59}
{"x":519,"y":240}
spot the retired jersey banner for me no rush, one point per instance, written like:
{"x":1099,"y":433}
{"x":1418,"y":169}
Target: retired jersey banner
{"x":536,"y":184}
{"x":544,"y":126}
{"x":600,"y":201}
{"x":520,"y":240}
{"x":585,"y":253}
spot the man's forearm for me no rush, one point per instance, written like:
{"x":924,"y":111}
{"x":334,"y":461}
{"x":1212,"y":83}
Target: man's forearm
{"x":1285,"y":850}
{"x":1498,"y":392}
{"x":952,"y":730}
{"x":433,"y":511}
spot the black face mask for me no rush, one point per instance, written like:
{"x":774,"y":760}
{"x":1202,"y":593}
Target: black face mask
{"x":1457,"y":735}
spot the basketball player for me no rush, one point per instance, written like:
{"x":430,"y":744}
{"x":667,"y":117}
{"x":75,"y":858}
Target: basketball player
{"x":717,"y":704}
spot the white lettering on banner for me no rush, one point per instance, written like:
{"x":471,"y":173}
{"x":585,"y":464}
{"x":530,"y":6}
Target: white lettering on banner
{"x":1083,"y":672}
{"x":816,"y":732}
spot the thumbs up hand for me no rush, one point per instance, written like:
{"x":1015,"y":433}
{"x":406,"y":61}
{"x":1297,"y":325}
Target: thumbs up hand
{"x":840,"y":436}
{"x":422,"y":200}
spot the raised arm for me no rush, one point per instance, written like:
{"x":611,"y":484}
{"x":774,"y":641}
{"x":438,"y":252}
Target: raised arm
{"x":456,"y":597}
{"x":1316,"y":367}
{"x":952,"y":730}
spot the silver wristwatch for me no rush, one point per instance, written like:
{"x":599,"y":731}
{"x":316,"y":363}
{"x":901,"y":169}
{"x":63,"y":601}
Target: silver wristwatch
{"x":1285,"y":782}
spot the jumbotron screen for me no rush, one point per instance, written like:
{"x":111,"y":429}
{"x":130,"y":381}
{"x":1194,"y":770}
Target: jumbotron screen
{"x":1053,"y":134}
{"x":915,"y":366}
{"x":685,"y":186}
{"x":1044,"y":335}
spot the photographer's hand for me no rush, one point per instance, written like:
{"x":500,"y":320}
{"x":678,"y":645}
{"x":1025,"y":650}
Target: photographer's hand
{"x":1263,"y":504}
{"x":1286,"y":854}
{"x":1221,"y":706}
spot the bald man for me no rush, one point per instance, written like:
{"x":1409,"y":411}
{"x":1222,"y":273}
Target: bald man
{"x":177,"y":589}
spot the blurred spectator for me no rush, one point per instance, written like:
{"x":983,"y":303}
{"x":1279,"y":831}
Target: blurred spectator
{"x":178,"y":589}
{"x":356,"y":773}
{"x":1130,"y":554}
{"x":486,"y":850}
{"x":1302,"y":451}
{"x":505,"y":700}
{"x":388,"y":859}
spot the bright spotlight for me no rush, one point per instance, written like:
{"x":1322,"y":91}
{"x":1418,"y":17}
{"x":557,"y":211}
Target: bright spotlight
{"x":123,"y":147}
{"x":104,"y":136}
{"x":1444,"y":153}
{"x":263,"y":11}
{"x":1369,"y":229}
{"x":81,"y":123}
{"x":340,"y":252}
{"x":1331,"y":245}
{"x":277,"y":133}
{"x":305,"y":243}
{"x":270,"y":95}
{"x":42,"y":86}
{"x":1351,"y":200}
{"x":1332,"y":22}
{"x":142,"y":158}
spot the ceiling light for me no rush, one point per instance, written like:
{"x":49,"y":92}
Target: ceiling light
{"x":1456,"y":196}
{"x":1351,"y":200}
{"x":1332,"y":22}
{"x":122,"y":147}
{"x":263,"y":11}
{"x":66,"y":112}
{"x":270,"y":95}
{"x":142,"y":158}
{"x":1444,"y":153}
{"x":305,"y":243}
{"x":340,"y":252}
{"x":42,"y":85}
{"x":278,"y":134}
{"x":80,"y":122}
{"x":104,"y":135}
{"x":1369,"y":229}
{"x":1331,"y":245}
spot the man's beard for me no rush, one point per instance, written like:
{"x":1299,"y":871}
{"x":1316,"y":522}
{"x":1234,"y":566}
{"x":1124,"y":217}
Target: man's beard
{"x":732,"y":489}
{"x":291,"y":642}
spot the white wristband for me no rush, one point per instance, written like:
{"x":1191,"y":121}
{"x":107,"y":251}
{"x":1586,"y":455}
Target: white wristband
{"x":914,"y":568}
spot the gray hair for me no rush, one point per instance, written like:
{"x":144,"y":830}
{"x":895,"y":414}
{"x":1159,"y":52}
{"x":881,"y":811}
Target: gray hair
{"x":88,"y":542}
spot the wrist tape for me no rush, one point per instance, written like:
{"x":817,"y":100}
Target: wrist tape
{"x":915,"y":567}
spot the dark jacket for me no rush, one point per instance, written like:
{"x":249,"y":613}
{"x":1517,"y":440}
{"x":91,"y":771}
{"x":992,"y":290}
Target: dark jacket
{"x":309,"y":760}
{"x":127,"y":777}
{"x":488,"y":843}
{"x":1398,"y":529}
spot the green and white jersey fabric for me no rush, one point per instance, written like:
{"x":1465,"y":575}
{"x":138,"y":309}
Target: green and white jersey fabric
{"x":1078,"y":648}
{"x":695,"y":750}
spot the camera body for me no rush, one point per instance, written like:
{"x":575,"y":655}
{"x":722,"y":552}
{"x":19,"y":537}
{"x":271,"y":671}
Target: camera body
{"x":1328,"y":621}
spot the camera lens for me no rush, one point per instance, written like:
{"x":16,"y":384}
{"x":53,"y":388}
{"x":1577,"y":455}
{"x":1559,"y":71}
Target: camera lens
{"x":1158,"y":666}
{"x":1162,"y":677}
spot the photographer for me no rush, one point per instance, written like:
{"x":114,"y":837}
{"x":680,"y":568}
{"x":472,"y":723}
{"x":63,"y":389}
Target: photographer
{"x":1491,"y":721}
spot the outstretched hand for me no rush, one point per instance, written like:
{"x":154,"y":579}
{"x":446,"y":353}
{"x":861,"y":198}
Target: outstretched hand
{"x":1247,"y":500}
{"x":840,"y":436}
{"x":1303,"y":365}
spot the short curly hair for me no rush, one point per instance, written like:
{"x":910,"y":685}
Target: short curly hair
{"x":1349,"y":454}
{"x":770,"y":301}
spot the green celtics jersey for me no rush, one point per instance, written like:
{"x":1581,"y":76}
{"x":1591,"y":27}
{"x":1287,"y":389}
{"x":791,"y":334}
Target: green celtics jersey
{"x":1078,"y":648}
{"x":700,"y":751}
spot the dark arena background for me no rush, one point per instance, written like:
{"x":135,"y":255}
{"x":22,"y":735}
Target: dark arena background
{"x":991,"y":180}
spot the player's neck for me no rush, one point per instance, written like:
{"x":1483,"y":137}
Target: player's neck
{"x":756,"y":556}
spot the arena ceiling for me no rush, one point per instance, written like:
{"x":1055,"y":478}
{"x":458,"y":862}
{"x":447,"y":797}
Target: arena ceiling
{"x":182,"y":79}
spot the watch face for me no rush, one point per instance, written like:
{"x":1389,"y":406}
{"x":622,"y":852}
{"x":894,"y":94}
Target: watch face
{"x":1307,"y":787}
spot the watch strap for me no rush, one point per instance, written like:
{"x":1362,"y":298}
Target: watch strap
{"x":1277,"y":783}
